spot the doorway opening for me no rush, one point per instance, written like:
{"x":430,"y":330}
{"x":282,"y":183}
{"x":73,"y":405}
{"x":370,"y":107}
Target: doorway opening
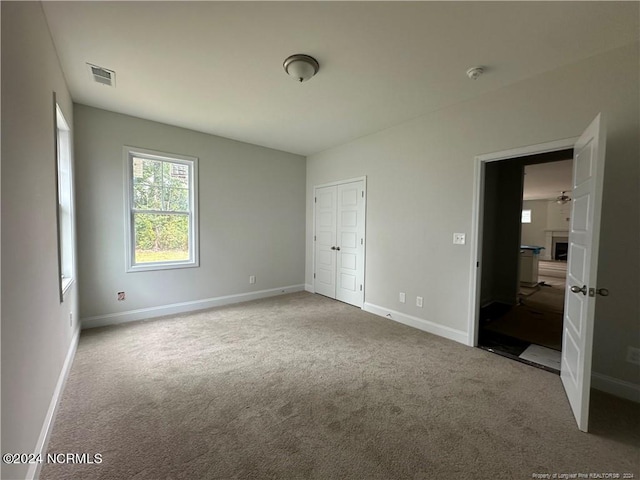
{"x":525,"y":229}
{"x":581,"y":286}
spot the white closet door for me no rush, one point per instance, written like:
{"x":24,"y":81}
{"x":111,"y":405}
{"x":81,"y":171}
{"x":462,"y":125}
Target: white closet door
{"x":325,"y":241}
{"x":339,"y":242}
{"x":350,"y":244}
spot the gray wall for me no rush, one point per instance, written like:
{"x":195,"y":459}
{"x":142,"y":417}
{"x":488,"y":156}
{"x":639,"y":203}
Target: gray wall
{"x":252,"y":215}
{"x":36,"y":334}
{"x":558,"y":216}
{"x":420,"y":184}
{"x":501,"y":232}
{"x":534,"y":233}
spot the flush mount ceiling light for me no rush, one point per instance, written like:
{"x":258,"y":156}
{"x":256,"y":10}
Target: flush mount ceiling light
{"x":301,"y":67}
{"x":475,"y":72}
{"x":562,"y":199}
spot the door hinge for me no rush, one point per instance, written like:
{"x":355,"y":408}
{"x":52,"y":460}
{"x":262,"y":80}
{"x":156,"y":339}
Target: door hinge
{"x":314,"y":275}
{"x":360,"y":287}
{"x":314,"y":238}
{"x":315,"y":199}
{"x":362,"y":193}
{"x":362,"y":241}
{"x":477,"y":264}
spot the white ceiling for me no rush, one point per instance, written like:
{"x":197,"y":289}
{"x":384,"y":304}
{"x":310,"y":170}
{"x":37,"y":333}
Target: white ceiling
{"x":547,"y":180}
{"x":216,"y":67}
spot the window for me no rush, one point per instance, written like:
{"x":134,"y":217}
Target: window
{"x":65,"y":203}
{"x":526,"y":216}
{"x":161,"y":209}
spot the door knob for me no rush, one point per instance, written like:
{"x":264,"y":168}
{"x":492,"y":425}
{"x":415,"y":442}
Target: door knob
{"x":337,"y":248}
{"x":603,"y":291}
{"x":333,"y":248}
{"x":582,"y":290}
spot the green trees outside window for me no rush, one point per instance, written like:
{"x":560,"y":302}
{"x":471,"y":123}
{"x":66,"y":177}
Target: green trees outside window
{"x":161,"y":210}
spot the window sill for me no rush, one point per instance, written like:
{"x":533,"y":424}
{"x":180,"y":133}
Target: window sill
{"x":160,"y":266}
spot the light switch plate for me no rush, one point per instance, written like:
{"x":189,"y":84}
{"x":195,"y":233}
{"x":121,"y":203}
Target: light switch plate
{"x":459,"y":238}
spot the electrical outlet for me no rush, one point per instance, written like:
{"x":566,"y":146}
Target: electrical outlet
{"x":121,"y":297}
{"x":633,"y":355}
{"x":403,"y":297}
{"x":419,"y":302}
{"x":252,"y":279}
{"x":459,"y":238}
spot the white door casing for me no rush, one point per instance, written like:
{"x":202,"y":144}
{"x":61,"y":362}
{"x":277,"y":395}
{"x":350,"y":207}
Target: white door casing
{"x":339,"y":241}
{"x":582,"y":269}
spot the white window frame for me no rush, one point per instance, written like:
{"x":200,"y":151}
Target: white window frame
{"x":526,"y":218}
{"x":194,"y":250}
{"x":65,"y":205}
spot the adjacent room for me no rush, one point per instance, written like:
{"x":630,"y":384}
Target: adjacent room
{"x":286,"y":239}
{"x":527,"y":326}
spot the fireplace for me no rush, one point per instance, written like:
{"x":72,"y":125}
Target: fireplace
{"x":560,"y":251}
{"x":556,"y":245}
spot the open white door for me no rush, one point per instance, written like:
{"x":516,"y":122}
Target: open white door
{"x":582,"y":269}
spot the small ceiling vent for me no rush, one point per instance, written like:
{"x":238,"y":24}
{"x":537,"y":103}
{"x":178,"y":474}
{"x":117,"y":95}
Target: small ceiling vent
{"x":102,"y":75}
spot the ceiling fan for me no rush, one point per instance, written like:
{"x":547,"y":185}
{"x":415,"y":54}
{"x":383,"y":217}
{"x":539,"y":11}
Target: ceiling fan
{"x":562,"y":199}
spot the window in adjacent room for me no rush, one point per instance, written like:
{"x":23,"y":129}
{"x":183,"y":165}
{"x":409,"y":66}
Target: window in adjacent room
{"x":162,"y":216}
{"x":526,"y":216}
{"x":65,"y":203}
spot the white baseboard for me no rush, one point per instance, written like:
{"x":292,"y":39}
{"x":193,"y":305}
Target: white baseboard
{"x":43,"y":440}
{"x":619,"y":388}
{"x":419,"y":323}
{"x":309,"y":288}
{"x":175,"y":308}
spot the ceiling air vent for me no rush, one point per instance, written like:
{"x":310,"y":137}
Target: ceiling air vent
{"x":102,"y":75}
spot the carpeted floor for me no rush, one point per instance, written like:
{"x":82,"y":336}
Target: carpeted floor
{"x":300,"y":386}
